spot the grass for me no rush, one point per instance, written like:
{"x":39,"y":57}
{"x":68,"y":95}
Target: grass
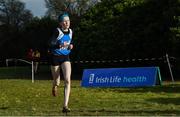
{"x":20,"y":97}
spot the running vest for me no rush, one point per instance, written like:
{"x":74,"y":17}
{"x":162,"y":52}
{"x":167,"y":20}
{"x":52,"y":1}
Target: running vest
{"x":63,"y":39}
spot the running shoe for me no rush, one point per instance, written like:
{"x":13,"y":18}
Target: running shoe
{"x":66,"y":110}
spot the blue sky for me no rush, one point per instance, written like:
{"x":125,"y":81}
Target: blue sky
{"x":37,"y":7}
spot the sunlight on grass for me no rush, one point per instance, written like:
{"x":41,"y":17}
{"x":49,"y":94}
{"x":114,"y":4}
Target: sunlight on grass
{"x":23,"y":98}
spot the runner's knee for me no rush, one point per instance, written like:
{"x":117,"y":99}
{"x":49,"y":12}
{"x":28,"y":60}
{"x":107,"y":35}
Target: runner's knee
{"x":67,"y":82}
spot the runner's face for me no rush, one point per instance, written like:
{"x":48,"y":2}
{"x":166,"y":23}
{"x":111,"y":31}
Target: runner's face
{"x":65,"y":23}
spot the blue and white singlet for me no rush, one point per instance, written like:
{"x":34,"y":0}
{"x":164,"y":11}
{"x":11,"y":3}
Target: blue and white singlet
{"x":60,"y":40}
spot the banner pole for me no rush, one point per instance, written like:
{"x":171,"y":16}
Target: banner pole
{"x":32,"y":72}
{"x":169,"y":65}
{"x":159,"y":76}
{"x":7,"y":63}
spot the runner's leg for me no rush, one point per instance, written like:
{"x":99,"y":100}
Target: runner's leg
{"x":66,"y":68}
{"x":55,"y":70}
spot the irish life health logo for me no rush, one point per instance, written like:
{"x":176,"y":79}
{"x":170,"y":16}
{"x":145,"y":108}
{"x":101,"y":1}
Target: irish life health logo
{"x":91,"y":78}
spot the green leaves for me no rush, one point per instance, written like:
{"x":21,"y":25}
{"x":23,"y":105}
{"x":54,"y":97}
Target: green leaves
{"x":129,"y":26}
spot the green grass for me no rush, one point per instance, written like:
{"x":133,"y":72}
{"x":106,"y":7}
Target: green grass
{"x":20,"y":97}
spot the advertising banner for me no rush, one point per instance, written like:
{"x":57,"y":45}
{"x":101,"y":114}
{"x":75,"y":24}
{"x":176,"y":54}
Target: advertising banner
{"x":121,"y":77}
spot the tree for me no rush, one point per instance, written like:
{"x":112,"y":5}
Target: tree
{"x":74,"y":7}
{"x":126,"y":29}
{"x":37,"y":34}
{"x":13,"y":13}
{"x":13,"y":17}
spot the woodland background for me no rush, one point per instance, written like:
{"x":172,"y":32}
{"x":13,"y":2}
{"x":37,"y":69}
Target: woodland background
{"x":103,"y":29}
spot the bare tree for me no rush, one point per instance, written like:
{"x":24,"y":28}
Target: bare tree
{"x":13,"y":12}
{"x":75,"y":7}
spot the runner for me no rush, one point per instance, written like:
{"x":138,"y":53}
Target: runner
{"x":60,"y":48}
